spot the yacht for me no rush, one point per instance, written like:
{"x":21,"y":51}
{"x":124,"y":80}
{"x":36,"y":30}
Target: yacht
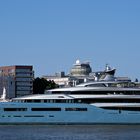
{"x":98,"y":102}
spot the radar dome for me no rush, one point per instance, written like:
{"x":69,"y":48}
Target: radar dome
{"x":77,"y":61}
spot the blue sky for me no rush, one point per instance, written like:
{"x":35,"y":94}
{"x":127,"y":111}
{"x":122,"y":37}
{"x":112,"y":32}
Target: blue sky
{"x":52,"y":34}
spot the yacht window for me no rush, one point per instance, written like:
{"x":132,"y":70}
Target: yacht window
{"x":62,"y":92}
{"x":46,"y":109}
{"x":55,"y":92}
{"x":95,"y":85}
{"x":28,"y":101}
{"x":60,"y":96}
{"x":15,"y":109}
{"x":45,"y":101}
{"x":51,"y":116}
{"x":90,"y":92}
{"x":60,"y":101}
{"x":37,"y":101}
{"x":75,"y":109}
{"x":22,"y":101}
{"x":48,"y":92}
{"x":33,"y":116}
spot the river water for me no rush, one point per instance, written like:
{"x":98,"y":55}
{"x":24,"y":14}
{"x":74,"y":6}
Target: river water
{"x":69,"y":132}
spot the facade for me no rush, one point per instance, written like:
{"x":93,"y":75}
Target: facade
{"x":61,"y":79}
{"x":17,"y":80}
{"x":81,"y":69}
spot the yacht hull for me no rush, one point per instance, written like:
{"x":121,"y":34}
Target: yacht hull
{"x":87,"y":114}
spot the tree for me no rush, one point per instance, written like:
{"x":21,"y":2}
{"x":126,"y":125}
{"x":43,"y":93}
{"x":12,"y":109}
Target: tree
{"x":41,"y":84}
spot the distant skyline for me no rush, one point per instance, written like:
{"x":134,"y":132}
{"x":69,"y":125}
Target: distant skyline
{"x":52,"y":34}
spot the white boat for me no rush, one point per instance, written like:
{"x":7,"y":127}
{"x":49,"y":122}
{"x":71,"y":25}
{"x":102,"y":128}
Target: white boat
{"x":103,"y":102}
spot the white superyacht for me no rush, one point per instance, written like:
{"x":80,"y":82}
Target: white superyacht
{"x":99,"y":102}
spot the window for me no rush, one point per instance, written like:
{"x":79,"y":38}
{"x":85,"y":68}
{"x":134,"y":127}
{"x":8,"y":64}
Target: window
{"x":75,"y":109}
{"x":46,"y":109}
{"x":45,"y":101}
{"x":34,"y":116}
{"x":15,"y":109}
{"x":28,"y":101}
{"x":51,"y":116}
{"x":37,"y":101}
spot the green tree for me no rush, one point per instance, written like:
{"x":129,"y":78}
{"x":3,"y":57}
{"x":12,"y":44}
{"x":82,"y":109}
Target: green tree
{"x":41,"y":84}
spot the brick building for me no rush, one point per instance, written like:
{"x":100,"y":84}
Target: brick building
{"x":17,"y":80}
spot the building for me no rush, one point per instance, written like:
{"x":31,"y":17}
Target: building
{"x":82,"y":72}
{"x":79,"y":73}
{"x":17,"y":80}
{"x":81,"y":69}
{"x":61,"y":79}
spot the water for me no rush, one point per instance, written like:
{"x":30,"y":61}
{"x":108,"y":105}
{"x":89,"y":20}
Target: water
{"x":69,"y":132}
